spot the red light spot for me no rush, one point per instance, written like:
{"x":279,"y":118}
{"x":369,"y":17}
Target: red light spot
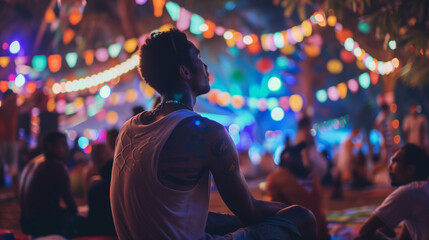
{"x":393,"y":108}
{"x":395,"y":124}
{"x":397,"y":139}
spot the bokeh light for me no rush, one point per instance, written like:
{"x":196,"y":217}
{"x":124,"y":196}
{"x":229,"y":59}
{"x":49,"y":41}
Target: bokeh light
{"x":19,"y":80}
{"x":105,"y":91}
{"x":321,"y":95}
{"x":14,"y":47}
{"x":274,"y":84}
{"x":364,"y":80}
{"x":353,"y":85}
{"x":296,"y":102}
{"x":277,"y":114}
{"x":83,"y":142}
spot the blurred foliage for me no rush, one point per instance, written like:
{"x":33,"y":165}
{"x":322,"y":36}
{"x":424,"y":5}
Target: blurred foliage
{"x":406,"y":22}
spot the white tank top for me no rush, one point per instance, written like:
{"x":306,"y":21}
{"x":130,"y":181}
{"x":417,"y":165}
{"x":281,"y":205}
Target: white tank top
{"x":142,"y":207}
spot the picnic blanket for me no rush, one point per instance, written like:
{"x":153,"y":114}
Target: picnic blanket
{"x":345,"y":224}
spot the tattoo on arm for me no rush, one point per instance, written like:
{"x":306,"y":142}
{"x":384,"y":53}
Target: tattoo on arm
{"x":222,"y":149}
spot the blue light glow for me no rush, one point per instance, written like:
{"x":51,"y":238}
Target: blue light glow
{"x":83,"y":142}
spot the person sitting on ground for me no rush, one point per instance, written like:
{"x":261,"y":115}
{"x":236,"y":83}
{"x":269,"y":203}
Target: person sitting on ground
{"x":409,"y":169}
{"x":311,"y":157}
{"x":415,"y":127}
{"x":292,"y":183}
{"x":160,"y":185}
{"x":44,"y":182}
{"x":100,"y":220}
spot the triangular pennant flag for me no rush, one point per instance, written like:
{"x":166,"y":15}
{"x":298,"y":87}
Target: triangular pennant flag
{"x":196,"y":22}
{"x":4,"y":61}
{"x":114,"y":50}
{"x":184,"y":19}
{"x":54,"y":62}
{"x":173,"y":9}
{"x":68,"y":36}
{"x":101,"y":54}
{"x":89,"y":57}
{"x":130,"y":45}
{"x":39,"y":62}
{"x":71,"y":59}
{"x":158,"y":6}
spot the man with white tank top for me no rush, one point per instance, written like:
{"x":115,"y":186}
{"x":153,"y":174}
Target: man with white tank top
{"x":163,"y":159}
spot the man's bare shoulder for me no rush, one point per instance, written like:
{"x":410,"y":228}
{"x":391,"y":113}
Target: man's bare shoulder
{"x":201,"y":124}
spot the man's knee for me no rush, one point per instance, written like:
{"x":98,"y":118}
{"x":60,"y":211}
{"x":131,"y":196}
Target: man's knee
{"x":303,"y":219}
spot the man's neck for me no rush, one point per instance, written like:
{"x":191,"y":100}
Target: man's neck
{"x":182,"y":95}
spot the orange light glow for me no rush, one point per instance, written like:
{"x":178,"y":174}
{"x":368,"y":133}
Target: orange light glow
{"x":393,"y":108}
{"x":54,"y":62}
{"x":395,"y":124}
{"x":397,"y":139}
{"x":158,"y":6}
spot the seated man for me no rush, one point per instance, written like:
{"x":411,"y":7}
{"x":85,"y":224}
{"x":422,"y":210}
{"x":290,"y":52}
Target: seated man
{"x":409,"y":169}
{"x":160,"y":185}
{"x":292,"y":183}
{"x":44,"y":182}
{"x":100,"y":221}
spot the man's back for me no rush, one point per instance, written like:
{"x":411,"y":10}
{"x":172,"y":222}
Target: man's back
{"x":394,"y":209}
{"x":43,"y":184}
{"x":159,"y":180}
{"x":40,"y":187}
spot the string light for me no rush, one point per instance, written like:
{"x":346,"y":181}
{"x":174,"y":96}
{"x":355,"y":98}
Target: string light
{"x":96,"y":79}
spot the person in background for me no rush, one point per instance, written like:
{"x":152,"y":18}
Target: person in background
{"x":160,"y":186}
{"x":311,"y":158}
{"x":8,"y":138}
{"x":379,"y":172}
{"x":382,"y":124}
{"x":409,"y":170}
{"x":100,"y":221}
{"x":292,"y":183}
{"x":111,"y":137}
{"x":415,"y":127}
{"x":44,"y":182}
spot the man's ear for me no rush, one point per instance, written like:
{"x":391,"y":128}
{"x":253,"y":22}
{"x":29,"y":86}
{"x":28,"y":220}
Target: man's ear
{"x":184,"y":72}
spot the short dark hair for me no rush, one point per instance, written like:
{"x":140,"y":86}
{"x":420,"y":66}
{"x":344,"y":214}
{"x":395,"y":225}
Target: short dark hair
{"x":50,"y":138}
{"x":415,"y":155}
{"x":160,"y":58}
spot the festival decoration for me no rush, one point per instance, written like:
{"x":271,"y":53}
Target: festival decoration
{"x":4,"y":61}
{"x":54,"y":63}
{"x":158,"y":6}
{"x":339,"y":91}
{"x":269,"y":41}
{"x":96,"y":79}
{"x":335,"y":123}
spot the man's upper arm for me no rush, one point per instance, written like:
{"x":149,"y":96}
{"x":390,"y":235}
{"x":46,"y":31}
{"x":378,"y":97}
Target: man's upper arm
{"x":369,"y":228}
{"x":390,"y":213}
{"x":223,"y":164}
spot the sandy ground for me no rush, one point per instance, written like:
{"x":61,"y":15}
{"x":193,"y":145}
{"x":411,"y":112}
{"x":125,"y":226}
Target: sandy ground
{"x":10,"y":211}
